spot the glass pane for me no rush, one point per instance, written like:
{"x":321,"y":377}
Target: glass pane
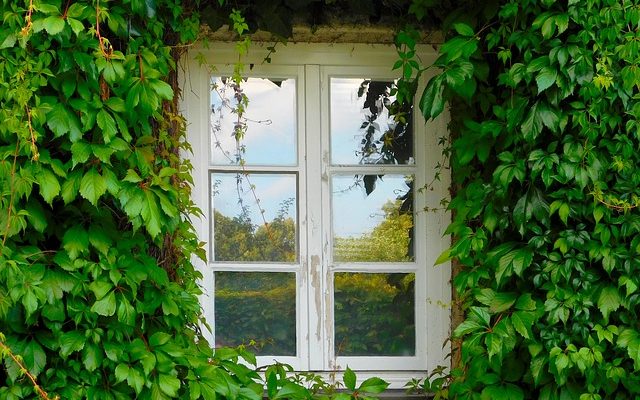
{"x":363,"y":129}
{"x":372,"y":218}
{"x":374,"y":314}
{"x":256,"y":309}
{"x":269,"y":118}
{"x":254,"y":217}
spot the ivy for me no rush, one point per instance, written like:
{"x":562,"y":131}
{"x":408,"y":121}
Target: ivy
{"x":544,"y":98}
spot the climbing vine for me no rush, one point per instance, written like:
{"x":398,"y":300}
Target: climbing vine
{"x":544,"y":99}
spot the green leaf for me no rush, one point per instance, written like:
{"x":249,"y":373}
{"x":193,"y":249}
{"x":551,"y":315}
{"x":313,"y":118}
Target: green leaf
{"x":630,"y":339}
{"x":106,"y":306}
{"x":373,"y":385}
{"x":8,"y":41}
{"x":100,"y":288}
{"x":107,"y":124}
{"x":546,"y":78}
{"x":522,"y":322}
{"x":99,"y":239}
{"x":292,"y":390}
{"x":53,"y":24}
{"x":121,"y":372}
{"x":159,"y":339}
{"x":93,"y":186}
{"x":135,"y":380}
{"x":61,"y":121}
{"x":126,"y":313}
{"x":432,"y":102}
{"x":71,"y":342}
{"x":463,"y":29}
{"x":349,"y":379}
{"x":502,"y":302}
{"x":75,"y":241}
{"x":91,"y":357}
{"x":37,"y":216}
{"x":609,"y":300}
{"x":49,"y":185}
{"x":169,"y":385}
{"x":34,"y":357}
{"x":532,"y":125}
{"x":80,"y":152}
{"x":163,"y":89}
{"x":151,"y":214}
{"x":76,"y":25}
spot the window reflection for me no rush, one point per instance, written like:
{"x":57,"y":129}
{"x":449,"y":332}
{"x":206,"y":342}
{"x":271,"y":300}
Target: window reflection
{"x":270,"y":118}
{"x":367,"y":127}
{"x":256,"y":307}
{"x":372,"y":218}
{"x":254,"y":217}
{"x":374,"y":314}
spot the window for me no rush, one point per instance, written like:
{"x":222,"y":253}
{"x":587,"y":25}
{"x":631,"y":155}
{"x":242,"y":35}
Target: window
{"x":321,"y":236}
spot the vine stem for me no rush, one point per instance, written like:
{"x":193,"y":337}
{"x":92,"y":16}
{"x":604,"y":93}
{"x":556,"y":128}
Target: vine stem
{"x":27,"y":19}
{"x":101,"y":39}
{"x":34,"y":148}
{"x":43,"y":395}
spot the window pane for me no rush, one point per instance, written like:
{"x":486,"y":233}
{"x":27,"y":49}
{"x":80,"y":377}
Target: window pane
{"x":269,"y":117}
{"x":254,"y":217}
{"x":362,"y":129}
{"x":258,"y":307}
{"x":374,"y":314}
{"x":372,"y":218}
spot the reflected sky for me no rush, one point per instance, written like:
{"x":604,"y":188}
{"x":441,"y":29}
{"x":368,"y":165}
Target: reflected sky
{"x":347,"y":117}
{"x":354,"y":212}
{"x":272,"y":190}
{"x":270,"y":117}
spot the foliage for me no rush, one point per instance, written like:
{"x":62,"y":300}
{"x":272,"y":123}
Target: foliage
{"x":546,"y":104}
{"x":98,"y":294}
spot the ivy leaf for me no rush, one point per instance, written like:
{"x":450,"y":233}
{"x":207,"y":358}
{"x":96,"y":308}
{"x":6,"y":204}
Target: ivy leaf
{"x":349,"y":379}
{"x":432,"y":102}
{"x":37,"y":216}
{"x":546,"y":78}
{"x":53,"y":24}
{"x":49,"y":185}
{"x":93,"y":186}
{"x":507,"y":391}
{"x":630,"y":339}
{"x":91,"y":357}
{"x":169,"y":385}
{"x":121,"y":372}
{"x":106,"y":306}
{"x":163,"y":89}
{"x":522,"y":322}
{"x":71,"y":186}
{"x":135,"y":380}
{"x":75,"y":241}
{"x":71,"y":342}
{"x":107,"y":124}
{"x":532,"y":125}
{"x":7,"y":41}
{"x":609,"y":300}
{"x":151,"y":214}
{"x":99,"y":239}
{"x":34,"y":357}
{"x":463,"y":29}
{"x":373,"y":385}
{"x":126,"y":312}
{"x":61,"y":121}
{"x":80,"y":152}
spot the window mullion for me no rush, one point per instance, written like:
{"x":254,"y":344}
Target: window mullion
{"x":314,"y":219}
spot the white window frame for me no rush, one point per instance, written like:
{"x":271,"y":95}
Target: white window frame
{"x":313,"y":65}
